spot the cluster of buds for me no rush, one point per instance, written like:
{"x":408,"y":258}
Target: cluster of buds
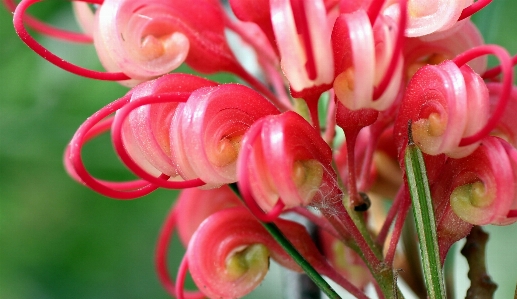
{"x":322,"y":70}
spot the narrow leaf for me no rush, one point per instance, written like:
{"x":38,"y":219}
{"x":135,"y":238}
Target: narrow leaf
{"x":424,"y":219}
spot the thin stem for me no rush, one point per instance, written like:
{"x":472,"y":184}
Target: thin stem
{"x":353,"y":196}
{"x":495,"y":71}
{"x":330,"y":123}
{"x":394,"y":209}
{"x":346,"y":226}
{"x":397,"y":230}
{"x":277,"y":83}
{"x":320,"y":222}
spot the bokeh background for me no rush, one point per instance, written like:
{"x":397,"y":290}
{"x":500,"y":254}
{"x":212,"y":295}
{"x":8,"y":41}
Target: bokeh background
{"x":58,"y":239}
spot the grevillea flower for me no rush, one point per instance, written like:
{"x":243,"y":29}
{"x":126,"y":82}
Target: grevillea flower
{"x":426,"y":17}
{"x":436,"y":48}
{"x":302,"y":32}
{"x":141,"y":39}
{"x":150,"y":38}
{"x":436,"y":103}
{"x":196,"y":205}
{"x":207,"y":130}
{"x":476,"y":190}
{"x":365,"y":55}
{"x":163,"y":135}
{"x":146,"y":131}
{"x":284,"y":163}
{"x":507,"y":126}
{"x":482,"y":192}
{"x":229,"y":254}
{"x":380,"y":71}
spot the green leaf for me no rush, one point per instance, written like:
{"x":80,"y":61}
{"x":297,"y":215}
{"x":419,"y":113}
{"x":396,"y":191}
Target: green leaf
{"x":424,"y":219}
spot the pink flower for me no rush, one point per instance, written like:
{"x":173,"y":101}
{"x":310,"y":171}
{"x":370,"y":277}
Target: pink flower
{"x":370,"y":69}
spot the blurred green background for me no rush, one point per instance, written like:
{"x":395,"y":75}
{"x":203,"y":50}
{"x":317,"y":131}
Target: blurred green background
{"x":58,"y":239}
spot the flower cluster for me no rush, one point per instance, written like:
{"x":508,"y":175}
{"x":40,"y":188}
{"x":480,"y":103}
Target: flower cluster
{"x":317,"y":126}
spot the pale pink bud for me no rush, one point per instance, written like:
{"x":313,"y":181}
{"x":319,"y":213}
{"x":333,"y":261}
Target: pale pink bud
{"x":142,"y":39}
{"x":207,"y":130}
{"x":285,"y":162}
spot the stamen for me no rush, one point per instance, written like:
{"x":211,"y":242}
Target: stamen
{"x":379,"y":90}
{"x":50,"y":57}
{"x":162,"y":248}
{"x":374,"y":10}
{"x":52,"y":31}
{"x":123,"y":113}
{"x":73,"y":158}
{"x":473,"y":8}
{"x":506,"y":66}
{"x":245,"y":185}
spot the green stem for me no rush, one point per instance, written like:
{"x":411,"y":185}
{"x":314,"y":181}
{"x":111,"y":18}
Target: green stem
{"x":297,"y":257}
{"x":424,"y":219}
{"x":369,"y":252}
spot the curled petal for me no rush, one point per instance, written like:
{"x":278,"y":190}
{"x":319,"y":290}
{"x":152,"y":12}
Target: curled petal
{"x":256,"y":11}
{"x":196,"y":205}
{"x":139,"y":38}
{"x":302,"y":34}
{"x":436,"y":104}
{"x":85,"y":16}
{"x":425,"y":17}
{"x":354,"y":57}
{"x":229,"y":253}
{"x":507,"y":126}
{"x":285,"y":160}
{"x":419,"y":51}
{"x":480,"y":187}
{"x":366,"y":58}
{"x":477,"y":109}
{"x":387,"y":49}
{"x":145,"y":132}
{"x":210,"y":128}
